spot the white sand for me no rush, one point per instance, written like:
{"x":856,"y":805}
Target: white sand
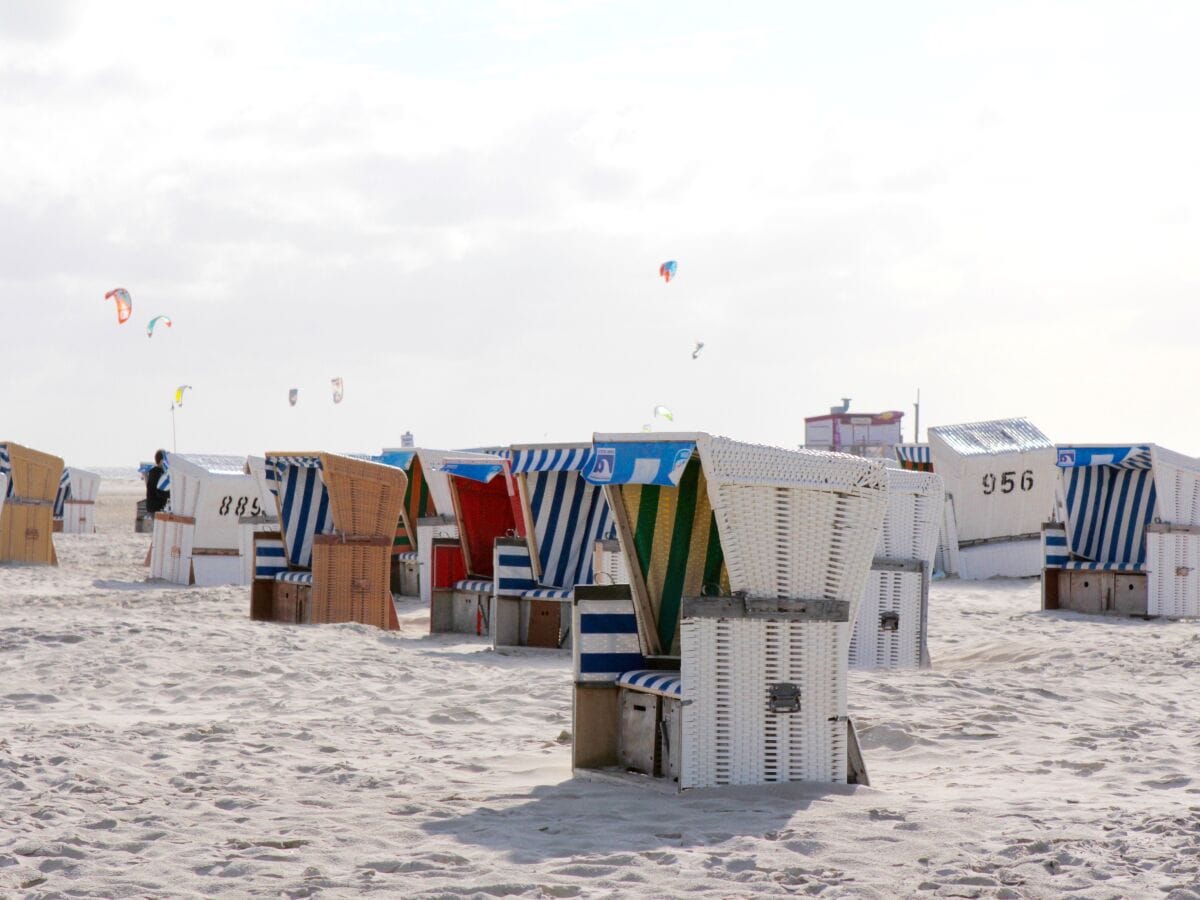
{"x":155,"y":742}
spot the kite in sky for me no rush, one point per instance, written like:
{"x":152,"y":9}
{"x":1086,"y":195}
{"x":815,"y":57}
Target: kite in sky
{"x":699,"y":347}
{"x":166,"y":320}
{"x":179,"y":393}
{"x":124,"y":304}
{"x":664,"y":413}
{"x":339,"y":390}
{"x":667,"y":270}
{"x":293,"y":396}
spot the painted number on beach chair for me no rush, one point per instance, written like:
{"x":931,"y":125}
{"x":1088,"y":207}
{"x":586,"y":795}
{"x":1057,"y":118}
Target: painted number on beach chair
{"x":239,"y":506}
{"x":1008,"y":482}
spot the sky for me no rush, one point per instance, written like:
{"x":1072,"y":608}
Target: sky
{"x":460,"y":209}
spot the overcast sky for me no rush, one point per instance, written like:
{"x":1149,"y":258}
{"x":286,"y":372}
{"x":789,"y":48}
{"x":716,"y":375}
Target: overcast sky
{"x":460,"y":208}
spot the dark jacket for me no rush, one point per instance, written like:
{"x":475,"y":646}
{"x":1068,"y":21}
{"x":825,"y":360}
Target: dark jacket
{"x":156,"y":500}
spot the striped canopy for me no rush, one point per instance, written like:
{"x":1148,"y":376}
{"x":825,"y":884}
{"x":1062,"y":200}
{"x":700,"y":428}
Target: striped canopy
{"x":6,"y":468}
{"x":303,"y":504}
{"x":1110,"y":498}
{"x":915,"y":457}
{"x":551,"y":459}
{"x":64,"y":493}
{"x":568,"y":514}
{"x":674,"y":536}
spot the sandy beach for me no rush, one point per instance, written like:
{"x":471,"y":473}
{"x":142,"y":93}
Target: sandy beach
{"x":156,"y":742}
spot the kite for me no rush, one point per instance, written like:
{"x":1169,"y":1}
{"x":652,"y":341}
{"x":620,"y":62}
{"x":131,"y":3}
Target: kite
{"x":166,"y":320}
{"x":699,"y":347}
{"x":647,"y":428}
{"x":667,"y":270}
{"x":179,"y":393}
{"x":124,"y":304}
{"x":293,"y":396}
{"x":338,"y":390}
{"x":664,"y":412}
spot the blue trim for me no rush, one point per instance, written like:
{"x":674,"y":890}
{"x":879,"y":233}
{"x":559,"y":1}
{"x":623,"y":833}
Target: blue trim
{"x":608,"y":623}
{"x":599,"y":663}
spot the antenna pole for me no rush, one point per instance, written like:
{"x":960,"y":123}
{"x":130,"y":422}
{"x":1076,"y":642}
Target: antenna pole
{"x":174,"y":443}
{"x":917,"y":419}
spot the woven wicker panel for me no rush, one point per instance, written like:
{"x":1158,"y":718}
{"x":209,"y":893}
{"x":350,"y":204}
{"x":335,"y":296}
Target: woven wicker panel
{"x":1173,"y":561}
{"x":366,"y":498}
{"x":871,"y":647}
{"x":795,"y":524}
{"x":26,"y":534}
{"x":913,"y":519}
{"x":676,"y":545}
{"x":351,"y":583}
{"x":35,"y":475}
{"x":730,"y":736}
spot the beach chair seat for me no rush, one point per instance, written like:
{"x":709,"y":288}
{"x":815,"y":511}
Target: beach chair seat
{"x":474,"y":585}
{"x":295,"y":577}
{"x":664,"y":682}
{"x":548,"y":594}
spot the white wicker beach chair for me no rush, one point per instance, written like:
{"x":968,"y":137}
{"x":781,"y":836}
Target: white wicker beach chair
{"x":747,"y":566}
{"x":892,"y":627}
{"x":999,"y":478}
{"x":75,"y":505}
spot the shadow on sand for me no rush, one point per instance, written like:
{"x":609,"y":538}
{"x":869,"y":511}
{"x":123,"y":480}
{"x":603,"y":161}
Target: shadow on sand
{"x":580,"y":816}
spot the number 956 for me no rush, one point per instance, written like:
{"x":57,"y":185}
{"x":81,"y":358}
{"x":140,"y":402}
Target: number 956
{"x":1008,"y":482}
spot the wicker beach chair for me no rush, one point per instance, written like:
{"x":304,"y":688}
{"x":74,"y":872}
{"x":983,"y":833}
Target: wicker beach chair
{"x":338,"y":520}
{"x":1126,"y":539}
{"x":27,"y":516}
{"x":1000,"y":480}
{"x":75,"y":502}
{"x":487,"y":507}
{"x":564,"y":517}
{"x":724,"y":660}
{"x":892,"y":626}
{"x":198,"y":539}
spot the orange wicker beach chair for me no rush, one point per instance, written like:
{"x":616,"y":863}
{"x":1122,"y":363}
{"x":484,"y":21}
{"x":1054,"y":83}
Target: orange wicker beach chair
{"x":30,"y":484}
{"x":331,"y":563}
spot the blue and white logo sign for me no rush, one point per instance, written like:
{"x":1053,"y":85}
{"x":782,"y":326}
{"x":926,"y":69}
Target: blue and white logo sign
{"x":1066,"y":457}
{"x":603,"y":464}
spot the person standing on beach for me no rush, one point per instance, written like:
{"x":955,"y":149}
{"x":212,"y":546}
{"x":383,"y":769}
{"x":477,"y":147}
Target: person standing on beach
{"x":156,"y":500}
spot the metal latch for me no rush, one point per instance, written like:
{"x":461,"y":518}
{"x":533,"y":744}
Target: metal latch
{"x":784,"y":697}
{"x":889,"y":621}
{"x":1183,"y":571}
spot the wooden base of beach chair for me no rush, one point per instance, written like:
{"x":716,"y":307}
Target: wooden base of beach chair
{"x":529,"y":622}
{"x":352,"y":582}
{"x":262,"y":601}
{"x":1095,"y":592}
{"x":453,"y":611}
{"x":405,"y":577}
{"x":26,"y":531}
{"x":292,"y":603}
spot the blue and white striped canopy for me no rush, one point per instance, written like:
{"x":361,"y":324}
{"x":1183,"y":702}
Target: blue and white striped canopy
{"x":551,"y":459}
{"x":64,"y":493}
{"x":303,"y":503}
{"x":1110,"y":498}
{"x":6,"y":467}
{"x":913,"y":453}
{"x":569,"y":516}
